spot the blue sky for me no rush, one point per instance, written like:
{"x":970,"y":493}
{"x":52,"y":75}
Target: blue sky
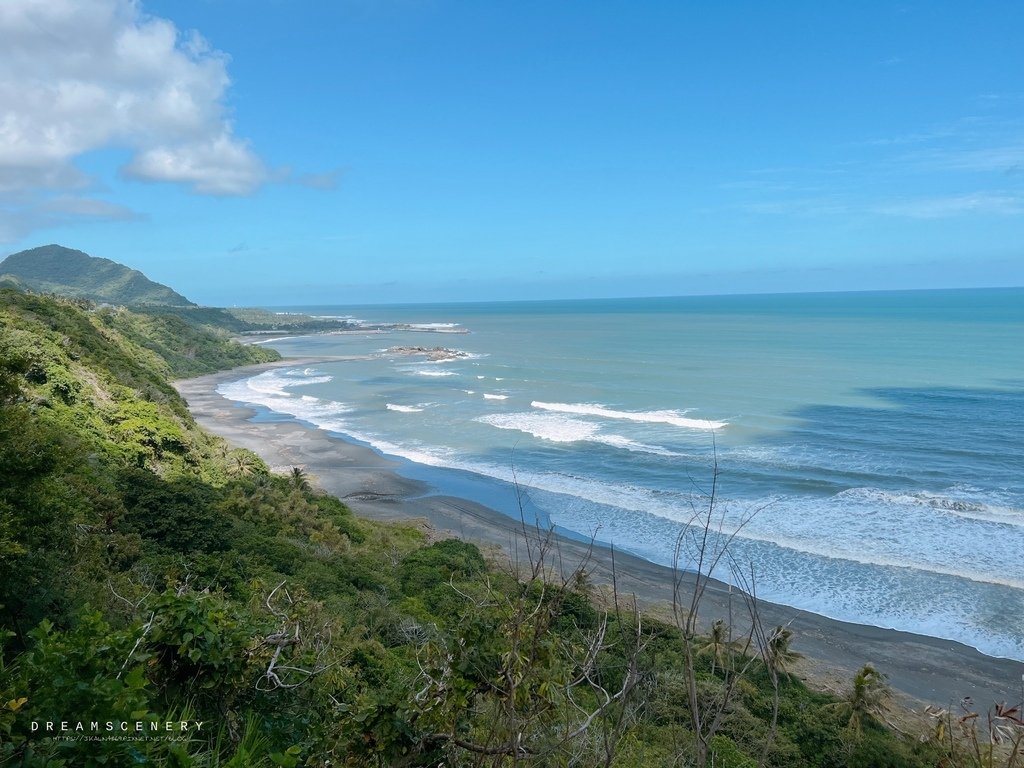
{"x":357,"y":151}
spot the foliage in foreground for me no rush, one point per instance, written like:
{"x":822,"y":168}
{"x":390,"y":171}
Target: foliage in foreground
{"x":153,"y":576}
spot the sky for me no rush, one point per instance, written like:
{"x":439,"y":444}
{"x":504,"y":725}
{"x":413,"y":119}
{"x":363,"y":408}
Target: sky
{"x":288,"y":152}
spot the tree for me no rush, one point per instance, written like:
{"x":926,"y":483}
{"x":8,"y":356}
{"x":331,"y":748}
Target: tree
{"x":299,"y":480}
{"x":865,"y":697}
{"x":779,"y":654}
{"x":527,"y":669}
{"x":718,"y":644}
{"x":242,"y":463}
{"x":700,"y":548}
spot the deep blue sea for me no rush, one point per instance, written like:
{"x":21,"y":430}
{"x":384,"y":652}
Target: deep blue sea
{"x":870,"y":446}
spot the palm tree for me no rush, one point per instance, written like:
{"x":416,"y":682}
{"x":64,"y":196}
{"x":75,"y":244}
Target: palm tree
{"x":242,"y":464}
{"x":298,"y":480}
{"x":778,"y":654}
{"x":865,"y":698}
{"x":717,"y":645}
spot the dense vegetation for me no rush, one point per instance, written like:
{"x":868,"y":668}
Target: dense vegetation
{"x":152,"y":574}
{"x":241,"y":320}
{"x":66,"y":272}
{"x":56,"y":269}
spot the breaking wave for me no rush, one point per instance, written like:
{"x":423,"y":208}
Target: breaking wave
{"x":675,"y":418}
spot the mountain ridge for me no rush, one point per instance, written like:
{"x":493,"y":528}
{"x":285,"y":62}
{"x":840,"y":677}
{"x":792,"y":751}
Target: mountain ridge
{"x":57,"y":269}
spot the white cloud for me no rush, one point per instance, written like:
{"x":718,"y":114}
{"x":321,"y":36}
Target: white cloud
{"x":217,"y":166}
{"x":82,"y":75}
{"x":20,"y":218}
{"x":326,"y":181}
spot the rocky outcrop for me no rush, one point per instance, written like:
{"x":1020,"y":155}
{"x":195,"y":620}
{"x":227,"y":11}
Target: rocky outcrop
{"x":433,"y":354}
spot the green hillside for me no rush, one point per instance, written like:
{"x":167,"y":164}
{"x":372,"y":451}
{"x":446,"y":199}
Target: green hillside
{"x":54,"y":269}
{"x":67,"y":272}
{"x":251,"y":321}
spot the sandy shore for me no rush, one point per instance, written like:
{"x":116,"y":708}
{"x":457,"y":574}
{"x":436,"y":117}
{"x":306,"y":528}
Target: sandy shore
{"x":921,"y":668}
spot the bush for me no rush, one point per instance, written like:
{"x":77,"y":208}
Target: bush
{"x":177,"y":515}
{"x":424,"y":569}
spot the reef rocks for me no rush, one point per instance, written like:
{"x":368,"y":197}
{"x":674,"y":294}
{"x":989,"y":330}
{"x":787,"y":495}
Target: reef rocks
{"x":433,"y":354}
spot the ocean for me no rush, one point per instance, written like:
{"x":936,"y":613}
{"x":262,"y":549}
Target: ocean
{"x":866,"y":449}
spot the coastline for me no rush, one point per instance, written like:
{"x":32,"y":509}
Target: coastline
{"x":921,"y":668}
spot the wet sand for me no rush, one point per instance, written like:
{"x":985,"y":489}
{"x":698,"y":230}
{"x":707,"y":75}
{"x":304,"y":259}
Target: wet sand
{"x":922,"y":669}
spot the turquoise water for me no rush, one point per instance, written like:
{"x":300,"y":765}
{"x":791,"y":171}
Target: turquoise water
{"x":870,"y":446}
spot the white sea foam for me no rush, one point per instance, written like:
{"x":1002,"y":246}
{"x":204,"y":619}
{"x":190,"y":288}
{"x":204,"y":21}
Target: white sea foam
{"x":778,"y":521}
{"x":558,"y":428}
{"x":821,"y":548}
{"x":432,"y":456}
{"x":481,"y":377}
{"x":458,"y":355}
{"x":897,"y":538}
{"x":434,"y":373}
{"x":892,"y":529}
{"x":489,"y":396}
{"x":328,"y":415}
{"x":432,"y":326}
{"x":269,"y":389}
{"x":268,"y":386}
{"x":277,"y":382}
{"x":276,"y":338}
{"x":839,"y":588}
{"x":676,"y":510}
{"x":618,"y":441}
{"x":802,"y":458}
{"x":675,"y":418}
{"x":403,"y":408}
{"x":950,"y":505}
{"x":469,"y":391}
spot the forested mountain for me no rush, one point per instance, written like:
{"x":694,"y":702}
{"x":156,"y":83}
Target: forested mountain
{"x":54,"y":269}
{"x":152,"y":575}
{"x":67,"y":272}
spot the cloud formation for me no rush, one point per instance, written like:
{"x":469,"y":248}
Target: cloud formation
{"x":83,"y":75}
{"x":19,"y":218}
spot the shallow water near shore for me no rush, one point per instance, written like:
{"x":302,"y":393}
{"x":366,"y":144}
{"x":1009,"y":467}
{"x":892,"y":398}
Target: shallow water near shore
{"x":869,"y":446}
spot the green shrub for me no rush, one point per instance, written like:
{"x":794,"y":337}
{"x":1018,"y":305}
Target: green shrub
{"x":427,"y":568}
{"x":178,"y":515}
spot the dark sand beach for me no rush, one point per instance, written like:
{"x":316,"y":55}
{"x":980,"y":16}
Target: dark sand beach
{"x":922,"y":669}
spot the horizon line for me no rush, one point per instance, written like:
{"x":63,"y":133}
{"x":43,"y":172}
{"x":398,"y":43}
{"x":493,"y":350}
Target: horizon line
{"x":636,"y":298}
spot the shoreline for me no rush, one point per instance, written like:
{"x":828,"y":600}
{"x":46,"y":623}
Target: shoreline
{"x":920,"y":668}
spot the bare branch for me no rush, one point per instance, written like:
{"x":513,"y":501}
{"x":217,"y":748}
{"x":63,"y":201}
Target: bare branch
{"x":145,"y":631}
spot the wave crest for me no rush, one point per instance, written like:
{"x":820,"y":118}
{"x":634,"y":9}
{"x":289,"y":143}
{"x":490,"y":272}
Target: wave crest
{"x":675,"y":418}
{"x":403,"y":408}
{"x":964,"y":508}
{"x":562,"y":429}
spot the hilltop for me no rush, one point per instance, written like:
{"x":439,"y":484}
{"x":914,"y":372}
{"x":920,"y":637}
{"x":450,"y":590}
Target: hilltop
{"x":67,"y":272}
{"x":62,"y":271}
